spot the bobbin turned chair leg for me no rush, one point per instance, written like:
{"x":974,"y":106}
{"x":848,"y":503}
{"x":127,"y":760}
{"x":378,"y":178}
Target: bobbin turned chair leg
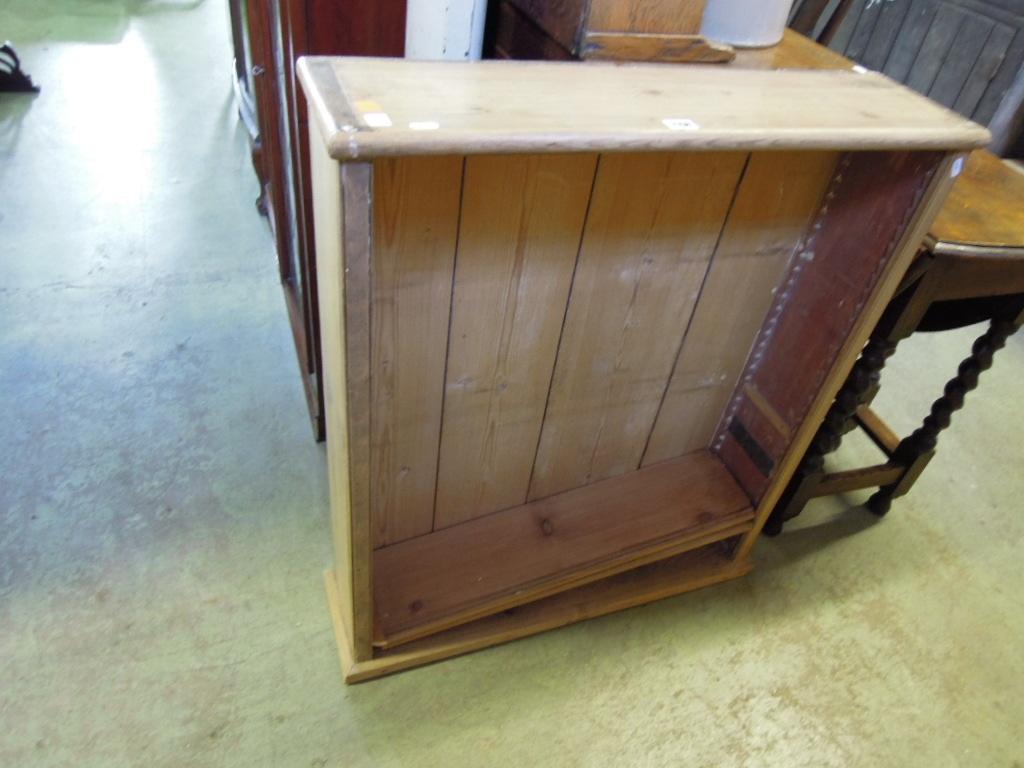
{"x":915,"y":452}
{"x":860,"y":387}
{"x":862,"y":381}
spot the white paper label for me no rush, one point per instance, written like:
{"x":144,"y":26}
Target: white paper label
{"x":680,"y":124}
{"x":377,"y":119}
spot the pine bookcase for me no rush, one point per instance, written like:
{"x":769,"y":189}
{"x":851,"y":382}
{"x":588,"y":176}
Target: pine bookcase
{"x":580,"y":321}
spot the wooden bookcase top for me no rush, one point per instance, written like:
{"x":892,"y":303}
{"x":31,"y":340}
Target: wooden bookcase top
{"x":373,"y":107}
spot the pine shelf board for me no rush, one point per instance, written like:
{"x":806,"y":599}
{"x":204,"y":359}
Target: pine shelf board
{"x":490,"y":564}
{"x":372,"y":107}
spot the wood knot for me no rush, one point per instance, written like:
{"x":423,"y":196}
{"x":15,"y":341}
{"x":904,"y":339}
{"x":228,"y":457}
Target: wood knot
{"x":416,"y":606}
{"x":547,"y":527}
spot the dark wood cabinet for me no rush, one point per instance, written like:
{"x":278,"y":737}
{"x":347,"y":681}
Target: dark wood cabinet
{"x":268,"y":37}
{"x":245,"y":73}
{"x":615,"y":30}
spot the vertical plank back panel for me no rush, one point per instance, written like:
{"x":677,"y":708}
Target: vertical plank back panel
{"x":890,"y":20}
{"x":972,"y":37}
{"x":519,"y":234}
{"x":653,"y":223}
{"x":874,"y":194}
{"x":862,"y":31}
{"x":778,"y":197}
{"x":992,"y":55}
{"x":910,"y":38}
{"x":1010,"y":63}
{"x":844,"y":33}
{"x":415,"y":220}
{"x":935,"y":46}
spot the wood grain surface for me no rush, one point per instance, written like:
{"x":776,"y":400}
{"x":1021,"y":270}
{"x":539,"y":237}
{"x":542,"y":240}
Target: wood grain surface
{"x":342,"y":230}
{"x":656,"y":581}
{"x":985,"y":206}
{"x":670,"y":17}
{"x":370,"y":107}
{"x":653,"y":223}
{"x":521,"y":223}
{"x":777,"y":199}
{"x":415,"y":220}
{"x":511,"y":557}
{"x":666,"y":49}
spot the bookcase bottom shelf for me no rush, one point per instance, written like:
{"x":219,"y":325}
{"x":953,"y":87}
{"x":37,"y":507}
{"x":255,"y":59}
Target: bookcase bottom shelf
{"x":683,"y":573}
{"x":466,"y":572}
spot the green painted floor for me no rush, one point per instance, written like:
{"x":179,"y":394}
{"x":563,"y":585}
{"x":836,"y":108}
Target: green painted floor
{"x":163,"y":509}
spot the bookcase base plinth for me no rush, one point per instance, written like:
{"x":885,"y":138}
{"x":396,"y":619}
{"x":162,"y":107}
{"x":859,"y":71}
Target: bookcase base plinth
{"x":684,"y":573}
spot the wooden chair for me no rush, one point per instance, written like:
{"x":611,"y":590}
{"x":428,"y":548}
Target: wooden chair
{"x":971,"y":269}
{"x":967,"y":55}
{"x":809,"y":14}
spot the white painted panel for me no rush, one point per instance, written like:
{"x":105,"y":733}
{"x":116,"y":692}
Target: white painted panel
{"x":444,"y":29}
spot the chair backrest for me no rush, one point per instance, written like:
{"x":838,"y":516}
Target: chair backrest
{"x":964,"y":54}
{"x":819,"y":19}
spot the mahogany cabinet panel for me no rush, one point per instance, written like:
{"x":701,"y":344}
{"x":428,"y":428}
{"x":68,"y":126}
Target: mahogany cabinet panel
{"x":269,"y":35}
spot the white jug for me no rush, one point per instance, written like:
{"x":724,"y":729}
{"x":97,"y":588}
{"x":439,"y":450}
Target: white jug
{"x":746,"y":23}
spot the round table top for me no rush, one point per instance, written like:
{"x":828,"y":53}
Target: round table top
{"x":985,"y":208}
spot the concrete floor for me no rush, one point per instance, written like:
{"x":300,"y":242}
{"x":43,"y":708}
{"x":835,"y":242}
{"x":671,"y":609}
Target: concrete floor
{"x":163,"y":509}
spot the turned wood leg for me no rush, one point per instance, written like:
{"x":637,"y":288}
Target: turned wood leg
{"x":915,"y":451}
{"x":862,"y":379}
